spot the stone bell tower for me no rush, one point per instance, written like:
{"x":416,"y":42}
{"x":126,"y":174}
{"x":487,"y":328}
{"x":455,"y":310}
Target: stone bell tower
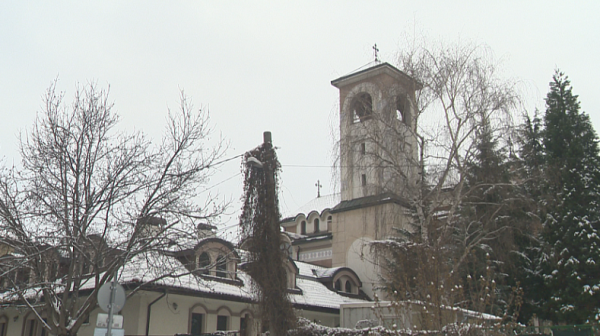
{"x":378,"y":148}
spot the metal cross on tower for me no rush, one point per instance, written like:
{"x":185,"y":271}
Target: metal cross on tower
{"x":375,"y":51}
{"x":319,"y":186}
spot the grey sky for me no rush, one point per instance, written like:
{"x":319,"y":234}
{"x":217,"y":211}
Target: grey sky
{"x":267,"y":65}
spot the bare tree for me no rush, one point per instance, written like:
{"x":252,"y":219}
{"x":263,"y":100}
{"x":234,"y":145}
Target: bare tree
{"x":462,"y":95}
{"x":88,"y":199}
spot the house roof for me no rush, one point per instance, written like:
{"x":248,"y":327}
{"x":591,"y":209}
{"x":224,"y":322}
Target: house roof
{"x":312,"y":238}
{"x":153,"y":265}
{"x":367,"y":201}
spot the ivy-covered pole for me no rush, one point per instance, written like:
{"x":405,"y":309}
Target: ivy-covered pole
{"x":261,"y":235}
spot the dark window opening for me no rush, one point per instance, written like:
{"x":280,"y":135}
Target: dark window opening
{"x":363,"y":148}
{"x":244,"y":325}
{"x":329,"y":223}
{"x":222,"y":322}
{"x":303,"y":227}
{"x":222,"y":267}
{"x":338,"y":285}
{"x":203,"y":263}
{"x":362,"y":107}
{"x":363,"y":180}
{"x":317,"y":229}
{"x":32,"y":325}
{"x":348,"y":287}
{"x":196,"y":328}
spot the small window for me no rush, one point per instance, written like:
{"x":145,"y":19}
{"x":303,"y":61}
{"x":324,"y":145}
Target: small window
{"x":338,"y":285}
{"x":348,"y":288}
{"x":244,"y":321}
{"x":363,"y":148}
{"x":197,"y":322}
{"x":222,"y":267}
{"x":203,"y":263}
{"x":222,"y":322}
{"x":3,"y":325}
{"x":329,"y":223}
{"x":363,"y":180}
{"x":303,"y":227}
{"x":316,"y":225}
{"x":31,"y":326}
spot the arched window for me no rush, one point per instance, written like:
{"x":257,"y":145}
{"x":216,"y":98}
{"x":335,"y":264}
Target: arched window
{"x":197,"y":320}
{"x":222,"y":267}
{"x":316,"y":225}
{"x":348,"y":286}
{"x":223,"y":315}
{"x":203,"y":263}
{"x":32,"y":327}
{"x":338,"y":285}
{"x":245,"y":324}
{"x":362,"y":107}
{"x":303,"y":227}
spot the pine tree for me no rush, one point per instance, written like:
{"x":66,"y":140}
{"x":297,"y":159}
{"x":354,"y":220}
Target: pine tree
{"x":570,"y":269}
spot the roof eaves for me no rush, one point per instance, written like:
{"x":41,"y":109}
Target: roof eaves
{"x":368,"y":201}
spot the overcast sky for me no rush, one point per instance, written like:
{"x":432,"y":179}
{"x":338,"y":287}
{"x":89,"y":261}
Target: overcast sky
{"x":267,"y":65}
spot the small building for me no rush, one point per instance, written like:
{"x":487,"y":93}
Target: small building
{"x":208,"y":292}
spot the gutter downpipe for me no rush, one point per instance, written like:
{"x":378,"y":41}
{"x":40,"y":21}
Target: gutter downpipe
{"x":150,"y":310}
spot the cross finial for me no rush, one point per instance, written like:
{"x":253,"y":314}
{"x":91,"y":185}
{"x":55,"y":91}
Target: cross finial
{"x":319,"y":186}
{"x":375,"y":51}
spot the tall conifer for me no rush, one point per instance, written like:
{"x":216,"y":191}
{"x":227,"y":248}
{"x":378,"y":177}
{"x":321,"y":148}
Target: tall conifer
{"x":571,"y":269}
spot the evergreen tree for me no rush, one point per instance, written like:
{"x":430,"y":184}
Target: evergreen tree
{"x":570,"y":271}
{"x":487,"y":212}
{"x":530,"y":247}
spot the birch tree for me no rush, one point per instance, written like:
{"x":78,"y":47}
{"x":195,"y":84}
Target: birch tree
{"x":464,"y":100}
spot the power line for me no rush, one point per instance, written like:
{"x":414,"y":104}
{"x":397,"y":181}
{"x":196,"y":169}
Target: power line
{"x":226,"y":160}
{"x":227,"y":179}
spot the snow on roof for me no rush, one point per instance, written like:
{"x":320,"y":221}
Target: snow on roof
{"x":315,"y":293}
{"x":369,"y":65}
{"x":328,"y":272}
{"x":317,"y":204}
{"x":306,"y":269}
{"x":154,"y":265}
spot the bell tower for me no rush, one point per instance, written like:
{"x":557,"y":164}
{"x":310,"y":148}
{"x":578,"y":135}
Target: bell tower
{"x":378,"y":146}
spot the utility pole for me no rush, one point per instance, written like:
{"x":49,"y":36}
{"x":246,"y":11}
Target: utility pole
{"x":260,"y":224}
{"x":269,"y":172}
